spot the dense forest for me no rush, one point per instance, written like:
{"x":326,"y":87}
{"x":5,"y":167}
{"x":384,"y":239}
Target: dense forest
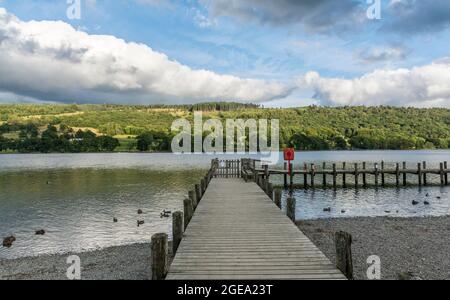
{"x":80,"y":128}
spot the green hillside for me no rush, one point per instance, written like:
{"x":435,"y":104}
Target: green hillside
{"x":308,"y":128}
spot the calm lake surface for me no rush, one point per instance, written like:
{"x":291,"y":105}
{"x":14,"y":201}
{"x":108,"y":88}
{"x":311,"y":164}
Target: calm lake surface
{"x":75,"y":197}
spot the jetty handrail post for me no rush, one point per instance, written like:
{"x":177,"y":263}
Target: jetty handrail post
{"x":285,"y":175}
{"x":313,"y":175}
{"x":305,"y":176}
{"x":344,"y":259}
{"x":441,"y":173}
{"x":270,"y":190}
{"x":419,"y":173}
{"x":364,"y":174}
{"x":277,"y":197}
{"x":344,"y":176}
{"x":334,"y":176}
{"x":376,"y":174}
{"x":356,"y":176}
{"x":266,"y":171}
{"x":425,"y":181}
{"x":198,"y":193}
{"x":290,"y":208}
{"x":324,"y":179}
{"x":446,"y":173}
{"x":193,"y":199}
{"x":383,"y":177}
{"x":203,"y":186}
{"x":177,"y":229}
{"x":159,"y":256}
{"x":404,"y":174}
{"x":188,"y":211}
{"x":397,"y":174}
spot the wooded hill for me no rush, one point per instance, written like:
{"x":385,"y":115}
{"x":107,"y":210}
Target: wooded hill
{"x":307,"y":128}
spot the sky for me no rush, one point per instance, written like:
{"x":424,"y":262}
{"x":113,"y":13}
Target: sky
{"x":284,"y":53}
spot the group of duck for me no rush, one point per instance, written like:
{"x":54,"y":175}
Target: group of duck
{"x":164,"y":214}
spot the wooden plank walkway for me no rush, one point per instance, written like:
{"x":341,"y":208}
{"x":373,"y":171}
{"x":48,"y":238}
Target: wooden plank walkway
{"x":238,"y":233}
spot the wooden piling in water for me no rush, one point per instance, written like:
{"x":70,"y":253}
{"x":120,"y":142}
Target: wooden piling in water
{"x":425,"y":181}
{"x":397,"y":174}
{"x":441,"y":173}
{"x":305,"y":176}
{"x":364,"y":175}
{"x":383,"y":181}
{"x":203,"y":186}
{"x":377,"y":174}
{"x":188,"y":211}
{"x":313,"y":175}
{"x":446,"y":173}
{"x":356,"y":176}
{"x":334,"y":176}
{"x":324,"y":179}
{"x":404,"y":174}
{"x":277,"y":197}
{"x":177,"y":230}
{"x":344,"y":176}
{"x":159,"y":256}
{"x":419,"y":173}
{"x":290,"y":208}
{"x":344,"y":259}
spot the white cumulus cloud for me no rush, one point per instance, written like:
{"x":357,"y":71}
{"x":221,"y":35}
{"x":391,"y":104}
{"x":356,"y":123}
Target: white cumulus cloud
{"x":423,"y":86}
{"x":52,"y":61}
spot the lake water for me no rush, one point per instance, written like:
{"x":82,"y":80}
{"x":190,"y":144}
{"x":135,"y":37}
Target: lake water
{"x":75,"y":197}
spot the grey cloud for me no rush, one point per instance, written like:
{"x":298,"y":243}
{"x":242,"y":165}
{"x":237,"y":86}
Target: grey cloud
{"x":412,"y":16}
{"x":314,"y":15}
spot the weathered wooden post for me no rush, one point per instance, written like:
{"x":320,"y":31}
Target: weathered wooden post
{"x":305,"y":176}
{"x":193,"y":199}
{"x":291,"y":179}
{"x":313,"y":175}
{"x":419,"y":173}
{"x":188,"y":211}
{"x":290,"y":208}
{"x":159,"y":256}
{"x":266,"y":171}
{"x":266,"y":187}
{"x":364,"y":175}
{"x":285,"y":175}
{"x":446,"y":173}
{"x":344,"y":175}
{"x":198,"y":193}
{"x":270,"y":190}
{"x":376,"y":175}
{"x":441,"y":173}
{"x":177,"y":229}
{"x":277,"y":199}
{"x":404,"y":174}
{"x":344,"y":259}
{"x":324,"y":179}
{"x":334,"y":176}
{"x":383,"y":177}
{"x":203,"y":186}
{"x":397,"y":174}
{"x":425,"y":180}
{"x":356,"y":176}
{"x":255,"y":173}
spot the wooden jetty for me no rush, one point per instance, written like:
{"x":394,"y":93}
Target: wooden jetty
{"x":401,"y":174}
{"x":238,"y":233}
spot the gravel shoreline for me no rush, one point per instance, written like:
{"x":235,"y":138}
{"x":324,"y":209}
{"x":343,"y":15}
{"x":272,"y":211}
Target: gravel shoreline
{"x":417,"y":245}
{"x":420,"y":246}
{"x":130,"y":262}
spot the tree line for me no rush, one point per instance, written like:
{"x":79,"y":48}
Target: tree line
{"x":52,"y":139}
